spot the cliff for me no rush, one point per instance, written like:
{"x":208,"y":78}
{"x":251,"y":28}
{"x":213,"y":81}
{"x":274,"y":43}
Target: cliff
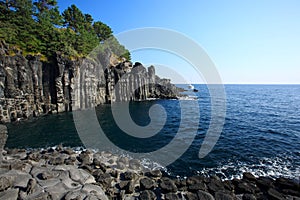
{"x":31,"y":87}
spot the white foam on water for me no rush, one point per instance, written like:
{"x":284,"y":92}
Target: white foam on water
{"x":271,"y":167}
{"x":188,"y":98}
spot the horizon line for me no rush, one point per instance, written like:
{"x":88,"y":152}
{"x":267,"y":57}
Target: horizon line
{"x":238,"y":83}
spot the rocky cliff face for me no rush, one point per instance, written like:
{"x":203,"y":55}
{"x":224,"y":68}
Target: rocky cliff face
{"x":30,"y":87}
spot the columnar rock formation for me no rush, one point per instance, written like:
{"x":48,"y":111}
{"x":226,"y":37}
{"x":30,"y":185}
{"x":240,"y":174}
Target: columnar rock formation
{"x":3,"y":138}
{"x":31,"y":87}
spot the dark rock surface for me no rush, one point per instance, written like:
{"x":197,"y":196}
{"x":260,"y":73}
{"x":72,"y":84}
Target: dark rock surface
{"x":31,"y":87}
{"x":34,"y":177}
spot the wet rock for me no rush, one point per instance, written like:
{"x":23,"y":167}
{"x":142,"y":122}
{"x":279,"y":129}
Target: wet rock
{"x":242,"y":187}
{"x":59,"y":148}
{"x":248,"y":197}
{"x":191,"y":196}
{"x":228,"y":185}
{"x":284,"y":183}
{"x":147,"y":195}
{"x":221,"y":195}
{"x":181,"y":184}
{"x":248,"y":176}
{"x":146,"y":184}
{"x":154,"y":174}
{"x":264,"y":183}
{"x":291,"y":192}
{"x":196,"y":183}
{"x":171,"y":196}
{"x":215,"y":185}
{"x":11,"y":194}
{"x":4,"y":183}
{"x":274,"y":194}
{"x":68,"y":151}
{"x":261,"y":196}
{"x":167,"y":185}
{"x":135,"y":164}
{"x":204,"y":195}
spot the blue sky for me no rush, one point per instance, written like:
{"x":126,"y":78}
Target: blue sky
{"x":249,"y":41}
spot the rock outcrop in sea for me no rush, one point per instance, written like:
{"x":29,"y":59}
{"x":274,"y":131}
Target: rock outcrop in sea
{"x":32,"y":87}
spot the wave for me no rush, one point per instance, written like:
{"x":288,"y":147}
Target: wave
{"x":270,"y":167}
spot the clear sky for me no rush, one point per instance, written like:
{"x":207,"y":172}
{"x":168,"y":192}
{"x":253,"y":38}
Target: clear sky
{"x":254,"y":41}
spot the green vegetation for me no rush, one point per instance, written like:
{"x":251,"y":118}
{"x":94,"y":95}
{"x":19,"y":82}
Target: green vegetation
{"x":38,"y":27}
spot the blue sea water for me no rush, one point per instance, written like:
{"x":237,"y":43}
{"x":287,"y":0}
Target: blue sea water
{"x":261,"y":133}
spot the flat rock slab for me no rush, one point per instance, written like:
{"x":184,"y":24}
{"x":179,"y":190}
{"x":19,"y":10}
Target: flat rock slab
{"x":17,"y":178}
{"x":11,"y":194}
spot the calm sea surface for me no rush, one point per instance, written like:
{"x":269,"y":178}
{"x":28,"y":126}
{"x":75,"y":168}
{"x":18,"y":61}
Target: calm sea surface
{"x":261,"y":132}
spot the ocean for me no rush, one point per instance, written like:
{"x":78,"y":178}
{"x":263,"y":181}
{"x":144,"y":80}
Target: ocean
{"x":261,"y":133}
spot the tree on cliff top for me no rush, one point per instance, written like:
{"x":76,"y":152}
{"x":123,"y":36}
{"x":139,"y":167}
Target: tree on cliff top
{"x":38,"y":27}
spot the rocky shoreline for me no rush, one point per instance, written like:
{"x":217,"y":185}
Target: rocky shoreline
{"x":63,"y":173}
